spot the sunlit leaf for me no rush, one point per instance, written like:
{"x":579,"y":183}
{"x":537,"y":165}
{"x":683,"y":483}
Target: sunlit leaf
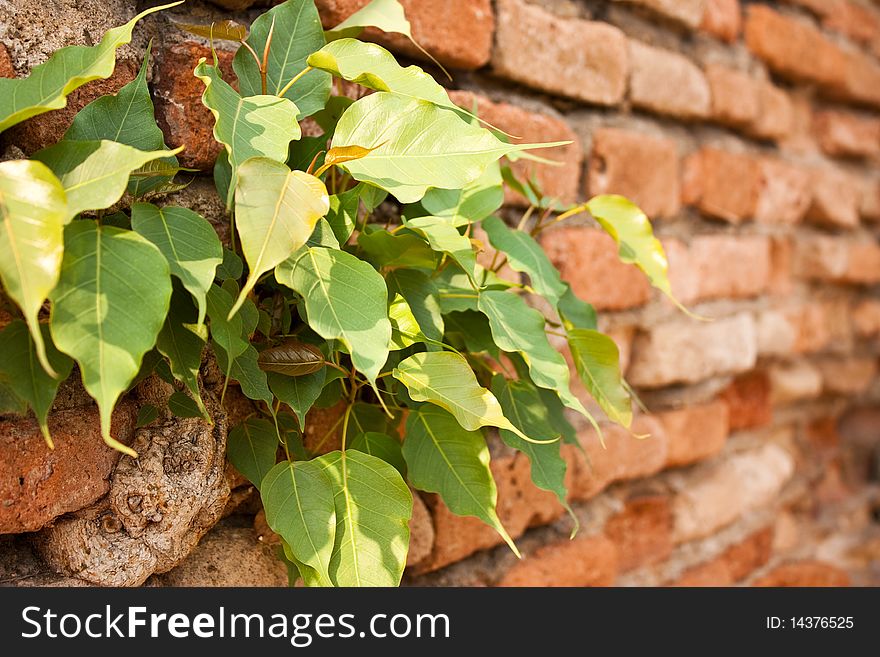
{"x":421,"y":295}
{"x":445,"y":238}
{"x":405,"y":330}
{"x":597,"y":361}
{"x":475,"y":202}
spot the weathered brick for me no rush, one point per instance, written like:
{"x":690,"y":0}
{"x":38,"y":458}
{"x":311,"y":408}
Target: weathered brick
{"x":562,"y":182}
{"x":847,"y":376}
{"x":806,"y":573}
{"x":862,"y":79}
{"x":715,"y":497}
{"x":746,"y":271}
{"x":579,"y":59}
{"x":695,"y":433}
{"x":842,"y":133}
{"x":7,"y":70}
{"x":666,"y":82}
{"x":587,"y":259}
{"x":734,"y":564}
{"x":785,"y":192}
{"x":781,"y":253}
{"x":457,"y":32}
{"x":871,"y":199}
{"x":179,"y":110}
{"x":735,"y":99}
{"x":853,"y":19}
{"x":837,"y":259}
{"x":748,"y":401}
{"x":584,"y":561}
{"x":866,"y":318}
{"x":795,"y":381}
{"x":722,"y":19}
{"x":38,"y":484}
{"x":688,"y":351}
{"x":775,"y":119}
{"x":799,"y":329}
{"x":645,"y":169}
{"x":686,"y":12}
{"x":642,"y":532}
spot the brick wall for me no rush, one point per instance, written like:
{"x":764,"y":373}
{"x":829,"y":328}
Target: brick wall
{"x":750,"y":134}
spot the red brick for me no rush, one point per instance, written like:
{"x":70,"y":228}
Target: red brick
{"x":47,"y":129}
{"x":38,"y":484}
{"x":847,"y":376}
{"x":7,"y":70}
{"x":837,"y":259}
{"x":862,"y":79}
{"x":866,"y":318}
{"x":781,"y":253}
{"x":457,"y":32}
{"x":560,"y":182}
{"x":689,"y":351}
{"x":686,"y":12}
{"x":683,"y":93}
{"x":584,"y":60}
{"x":857,"y":21}
{"x":645,"y":169}
{"x":804,"y":573}
{"x":775,"y":118}
{"x":722,"y":19}
{"x":795,"y":330}
{"x":735,"y":99}
{"x":785,"y":192}
{"x":871,"y":199}
{"x":734,"y":564}
{"x":695,"y":433}
{"x":587,"y":258}
{"x":179,"y":110}
{"x":722,"y":184}
{"x":746,"y":271}
{"x":847,"y":134}
{"x":748,"y":401}
{"x":584,"y":561}
{"x":642,"y":532}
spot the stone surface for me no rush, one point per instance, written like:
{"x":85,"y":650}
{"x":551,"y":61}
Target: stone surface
{"x":583,"y":60}
{"x":38,"y":484}
{"x":666,"y":82}
{"x":584,"y":561}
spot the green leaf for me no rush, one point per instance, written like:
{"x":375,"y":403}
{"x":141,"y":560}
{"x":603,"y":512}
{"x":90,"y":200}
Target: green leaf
{"x":245,"y":369}
{"x":387,"y":15}
{"x":48,"y":85}
{"x":472,"y":331}
{"x":475,"y":202}
{"x":346,"y":300}
{"x":252,"y":447}
{"x":33,"y":211}
{"x":94,"y":173}
{"x":182,"y":405}
{"x":445,"y":379}
{"x":417,"y":145}
{"x":365,"y":418}
{"x":298,"y":499}
{"x":574,"y":312}
{"x":127,"y":117}
{"x":323,"y":236}
{"x":382,"y":446}
{"x":343,"y":213}
{"x":421,"y":295}
{"x":231,"y":268}
{"x":526,"y":256}
{"x":455,"y":291}
{"x":182,"y":341}
{"x":252,"y":126}
{"x":296,"y":33}
{"x":384,"y":249}
{"x":22,"y":373}
{"x":445,"y":238}
{"x":522,"y":403}
{"x":188,"y":242}
{"x":597,"y":361}
{"x":517,"y":327}
{"x":405,"y":330}
{"x":443,"y":458}
{"x":147,"y":414}
{"x":276,"y":210}
{"x":298,"y":392}
{"x":630,"y":228}
{"x":373,"y":508}
{"x":108,"y":309}
{"x":228,"y":333}
{"x":556,"y":415}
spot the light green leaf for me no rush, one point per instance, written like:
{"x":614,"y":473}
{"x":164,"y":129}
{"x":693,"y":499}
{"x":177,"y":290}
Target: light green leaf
{"x":346,"y":300}
{"x":127,"y":117}
{"x":298,"y":392}
{"x":384,"y":249}
{"x":598,"y":364}
{"x":522,"y":403}
{"x":405,"y":330}
{"x":630,"y":228}
{"x":94,"y":173}
{"x":517,"y":327}
{"x":417,"y":145}
{"x":108,"y":309}
{"x":188,"y":242}
{"x":445,"y":379}
{"x":373,"y":508}
{"x":252,"y":448}
{"x":382,"y":446}
{"x":48,"y":85}
{"x":421,"y":295}
{"x":455,"y":291}
{"x":22,"y":373}
{"x":343,"y":213}
{"x":276,"y":210}
{"x":443,"y":458}
{"x":475,"y":202}
{"x":33,"y":211}
{"x":296,"y":33}
{"x":445,"y":238}
{"x":323,"y":235}
{"x":387,"y":15}
{"x":298,"y":499}
{"x":182,"y":341}
{"x":253,"y":126}
{"x":526,"y":256}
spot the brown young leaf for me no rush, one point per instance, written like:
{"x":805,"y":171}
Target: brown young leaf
{"x":227,"y":30}
{"x":293,"y":358}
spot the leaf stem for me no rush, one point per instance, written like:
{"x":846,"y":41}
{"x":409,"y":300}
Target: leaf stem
{"x":253,"y":53}
{"x":264,"y":65}
{"x":330,"y":363}
{"x":296,"y":77}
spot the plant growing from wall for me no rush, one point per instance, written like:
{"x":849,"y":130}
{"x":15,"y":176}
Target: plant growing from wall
{"x":344,"y":302}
